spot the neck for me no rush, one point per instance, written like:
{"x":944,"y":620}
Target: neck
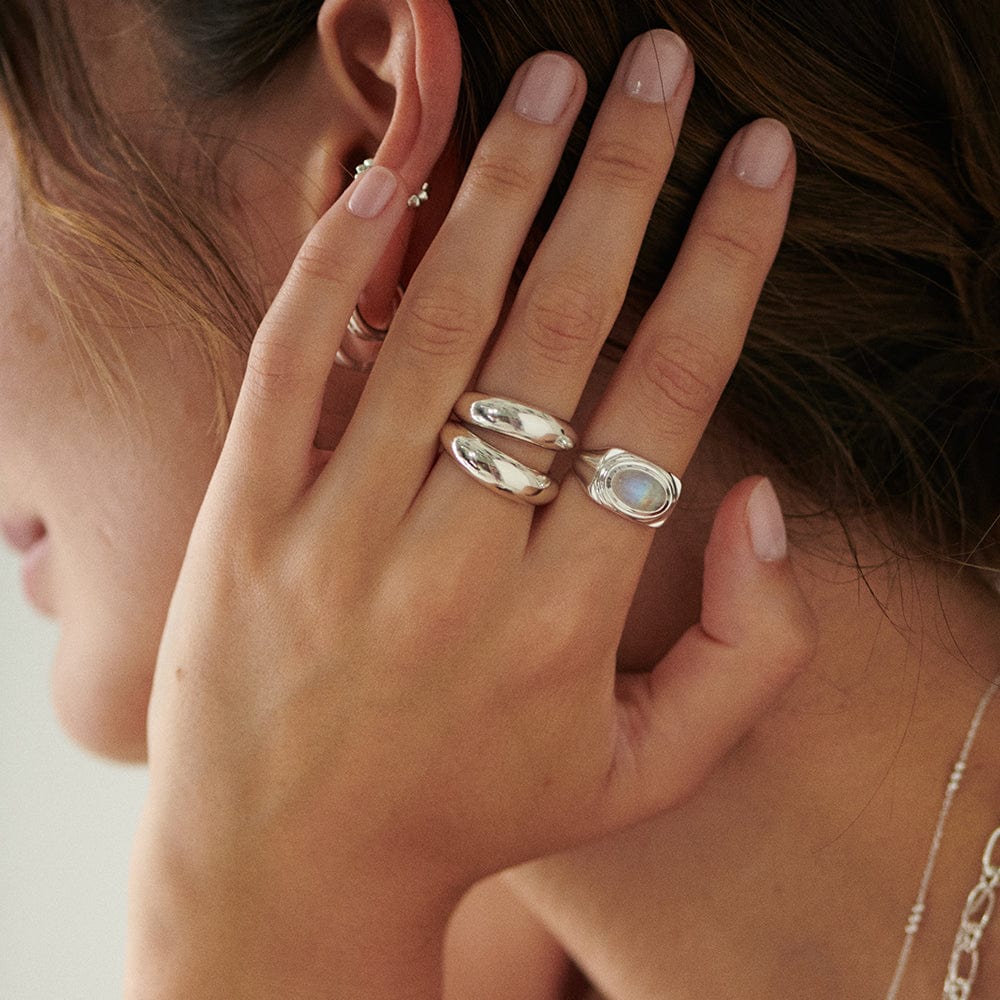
{"x":804,"y":853}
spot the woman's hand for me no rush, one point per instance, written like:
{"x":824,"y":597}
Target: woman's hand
{"x":380,"y":683}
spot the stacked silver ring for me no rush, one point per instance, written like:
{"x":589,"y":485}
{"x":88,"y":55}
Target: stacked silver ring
{"x":493,"y":468}
{"x":516,"y":420}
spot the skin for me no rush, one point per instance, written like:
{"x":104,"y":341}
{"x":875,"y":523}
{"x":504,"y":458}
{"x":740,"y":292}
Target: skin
{"x":836,"y":790}
{"x":116,"y":520}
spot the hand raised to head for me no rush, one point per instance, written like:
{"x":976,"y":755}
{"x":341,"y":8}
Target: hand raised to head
{"x":379,"y":684}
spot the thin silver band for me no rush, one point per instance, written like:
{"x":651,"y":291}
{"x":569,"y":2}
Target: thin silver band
{"x":364,"y":330}
{"x":359,"y":349}
{"x":496,"y":470}
{"x":516,"y":420}
{"x":348,"y":356}
{"x":628,"y":485}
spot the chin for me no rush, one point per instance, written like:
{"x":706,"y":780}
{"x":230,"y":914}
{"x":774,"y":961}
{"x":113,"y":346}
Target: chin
{"x":100,"y":711}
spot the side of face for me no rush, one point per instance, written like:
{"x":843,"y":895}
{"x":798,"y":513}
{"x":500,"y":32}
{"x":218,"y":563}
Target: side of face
{"x":116,"y":498}
{"x":115,"y":488}
{"x":117,"y":492}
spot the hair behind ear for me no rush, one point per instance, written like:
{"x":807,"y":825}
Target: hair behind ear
{"x":871,"y":373}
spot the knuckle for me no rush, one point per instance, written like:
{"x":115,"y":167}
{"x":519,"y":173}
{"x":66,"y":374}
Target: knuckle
{"x":442,"y":321}
{"x":564,"y":319}
{"x":277,"y":371}
{"x":442,"y":615}
{"x":501,"y":178}
{"x":735,"y":248}
{"x":619,"y":164}
{"x":436,"y":604}
{"x":317,"y":260}
{"x":556,"y":629}
{"x":564,"y":625}
{"x":681,"y":374}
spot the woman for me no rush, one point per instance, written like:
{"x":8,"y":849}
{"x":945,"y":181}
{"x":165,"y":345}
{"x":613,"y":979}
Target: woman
{"x":379,"y":683}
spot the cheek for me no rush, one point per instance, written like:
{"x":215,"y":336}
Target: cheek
{"x":115,"y":579}
{"x":126,"y":505}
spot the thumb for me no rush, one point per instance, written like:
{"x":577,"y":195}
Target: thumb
{"x":756,"y":632}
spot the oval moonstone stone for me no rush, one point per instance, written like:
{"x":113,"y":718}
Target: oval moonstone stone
{"x":638,"y":490}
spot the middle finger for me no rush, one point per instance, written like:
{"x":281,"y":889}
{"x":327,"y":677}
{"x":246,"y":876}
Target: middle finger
{"x":579,"y":277}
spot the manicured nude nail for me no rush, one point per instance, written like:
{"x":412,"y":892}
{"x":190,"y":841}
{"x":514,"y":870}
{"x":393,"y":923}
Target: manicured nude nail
{"x":372,"y":192}
{"x":766,"y":523}
{"x":762,"y":153}
{"x":546,"y":88}
{"x":657,"y":67}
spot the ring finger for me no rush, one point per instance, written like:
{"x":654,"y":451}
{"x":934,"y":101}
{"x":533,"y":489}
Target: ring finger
{"x":668,"y":383}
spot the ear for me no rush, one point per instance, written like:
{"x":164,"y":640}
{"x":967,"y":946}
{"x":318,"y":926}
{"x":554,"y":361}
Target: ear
{"x":396,"y":66}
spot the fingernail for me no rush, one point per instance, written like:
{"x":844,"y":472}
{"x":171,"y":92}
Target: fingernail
{"x":657,"y":67}
{"x":546,"y":88}
{"x":372,"y":192}
{"x":762,"y":152}
{"x":767,"y":525}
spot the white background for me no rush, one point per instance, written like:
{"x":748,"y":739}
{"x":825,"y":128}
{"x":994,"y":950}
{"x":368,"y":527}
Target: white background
{"x":66,"y":824}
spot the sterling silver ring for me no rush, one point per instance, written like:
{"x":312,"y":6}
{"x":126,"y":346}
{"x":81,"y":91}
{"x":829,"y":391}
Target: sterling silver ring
{"x":359,"y":351}
{"x":357,"y":357}
{"x":364,"y":330}
{"x":631,"y":486}
{"x":496,"y":470}
{"x":516,"y":420}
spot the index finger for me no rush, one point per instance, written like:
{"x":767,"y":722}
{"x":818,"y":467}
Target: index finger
{"x":269,"y":446}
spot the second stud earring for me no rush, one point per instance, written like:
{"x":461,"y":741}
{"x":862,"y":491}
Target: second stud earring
{"x":414,"y":201}
{"x":418,"y":199}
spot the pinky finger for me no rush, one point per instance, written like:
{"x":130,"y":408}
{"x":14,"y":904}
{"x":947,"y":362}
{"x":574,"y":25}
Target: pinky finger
{"x":268,"y":451}
{"x":756,"y":633}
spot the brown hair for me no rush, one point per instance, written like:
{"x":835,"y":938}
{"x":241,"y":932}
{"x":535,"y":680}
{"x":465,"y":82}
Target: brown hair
{"x":871,"y":373}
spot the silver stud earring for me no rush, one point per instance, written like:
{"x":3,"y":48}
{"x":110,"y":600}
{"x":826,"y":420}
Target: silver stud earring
{"x":414,"y":201}
{"x":418,"y":199}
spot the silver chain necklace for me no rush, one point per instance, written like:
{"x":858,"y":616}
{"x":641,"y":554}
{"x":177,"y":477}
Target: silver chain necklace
{"x":964,"y":962}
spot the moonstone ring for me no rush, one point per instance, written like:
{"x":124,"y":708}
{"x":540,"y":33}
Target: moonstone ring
{"x":628,"y":485}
